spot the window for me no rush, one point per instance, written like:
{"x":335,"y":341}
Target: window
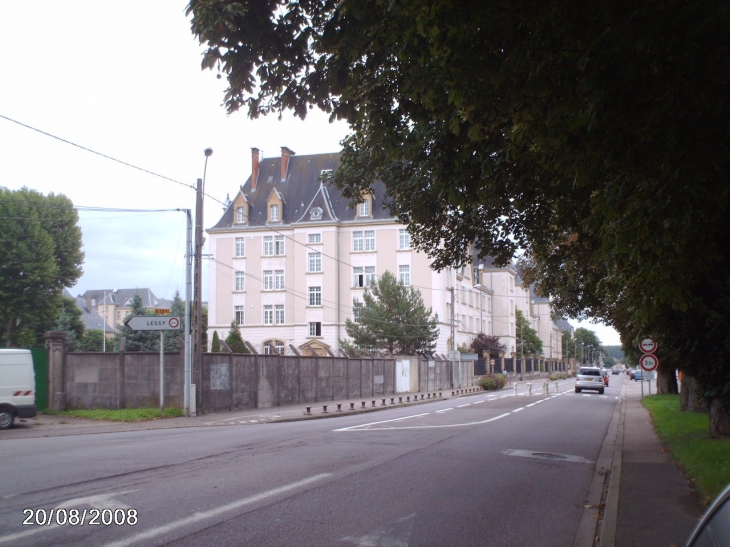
{"x":356,"y":313}
{"x":268,"y":315}
{"x":274,"y":213}
{"x":369,"y":240}
{"x":315,"y":238}
{"x":279,"y":314}
{"x":279,"y":280}
{"x":315,"y":262}
{"x":268,"y":280}
{"x":273,"y":245}
{"x":240,"y":284}
{"x":364,"y":276}
{"x":315,"y":329}
{"x":240,"y":246}
{"x":405,"y":274}
{"x":272,"y":347}
{"x":357,"y":241}
{"x":238,"y":314}
{"x":240,"y":215}
{"x":404,"y":239}
{"x":315,"y":296}
{"x":364,"y":209}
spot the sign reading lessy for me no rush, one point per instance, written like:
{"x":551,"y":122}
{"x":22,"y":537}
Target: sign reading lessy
{"x":151,"y":322}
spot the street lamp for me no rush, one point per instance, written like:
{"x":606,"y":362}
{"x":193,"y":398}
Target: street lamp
{"x":105,"y":314}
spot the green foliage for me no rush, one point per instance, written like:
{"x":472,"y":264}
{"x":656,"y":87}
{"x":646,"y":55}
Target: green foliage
{"x":93,"y":340}
{"x":41,"y":254}
{"x":484,"y":342}
{"x":121,"y":415}
{"x":594,"y":138}
{"x":705,"y":459}
{"x":174,"y":338}
{"x":528,"y":336}
{"x":461,"y":348}
{"x":139,"y":340}
{"x":492,"y":382}
{"x":393,"y":317}
{"x":234,"y":340}
{"x":216,"y":348}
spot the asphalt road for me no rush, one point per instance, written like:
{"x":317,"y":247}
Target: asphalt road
{"x":498,"y":470}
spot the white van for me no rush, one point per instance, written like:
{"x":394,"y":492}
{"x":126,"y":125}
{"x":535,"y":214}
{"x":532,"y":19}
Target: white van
{"x":17,"y":386}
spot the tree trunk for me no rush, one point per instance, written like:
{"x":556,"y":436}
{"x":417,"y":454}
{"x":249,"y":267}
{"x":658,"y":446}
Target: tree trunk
{"x":690,"y":396}
{"x":666,"y":381}
{"x":719,"y":418}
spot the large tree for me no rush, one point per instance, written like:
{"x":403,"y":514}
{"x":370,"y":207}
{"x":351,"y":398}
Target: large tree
{"x":528,"y":341}
{"x":40,"y":244}
{"x":592,"y":135}
{"x":392,"y":317}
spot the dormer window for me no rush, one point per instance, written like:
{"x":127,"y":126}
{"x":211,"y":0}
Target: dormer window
{"x":274,"y":213}
{"x":240,"y":215}
{"x":315,"y":214}
{"x":364,"y":209}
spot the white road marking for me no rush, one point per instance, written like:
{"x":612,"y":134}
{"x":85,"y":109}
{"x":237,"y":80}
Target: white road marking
{"x":531,"y":404}
{"x":355,"y":428}
{"x":460,"y":406}
{"x":518,"y":409}
{"x":444,"y":410}
{"x":204,"y":515}
{"x":480,"y":402}
{"x":383,"y":422}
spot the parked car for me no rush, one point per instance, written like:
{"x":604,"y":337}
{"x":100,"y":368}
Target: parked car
{"x":17,"y":386}
{"x":638,"y":374}
{"x":590,"y":378}
{"x":714,"y":528}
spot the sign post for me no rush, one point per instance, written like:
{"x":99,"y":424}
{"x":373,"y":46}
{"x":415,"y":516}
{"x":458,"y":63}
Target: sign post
{"x":648,"y":362}
{"x":160,"y":323}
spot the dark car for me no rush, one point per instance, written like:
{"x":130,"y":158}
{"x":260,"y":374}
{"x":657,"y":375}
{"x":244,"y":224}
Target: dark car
{"x":714,"y":528}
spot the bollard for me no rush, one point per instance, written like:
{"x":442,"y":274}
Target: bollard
{"x":439,"y":394}
{"x":408,"y":399}
{"x":373,"y":403}
{"x":383,"y":403}
{"x":514,"y":387}
{"x":352,"y":406}
{"x":452,"y":393}
{"x":400,"y":399}
{"x":546,"y":388}
{"x":309,"y":411}
{"x":363,"y":404}
{"x":392,"y":400}
{"x":529,"y":388}
{"x":324,"y":409}
{"x":429,"y":396}
{"x":556,"y":387}
{"x":339,"y":407}
{"x":421,"y":396}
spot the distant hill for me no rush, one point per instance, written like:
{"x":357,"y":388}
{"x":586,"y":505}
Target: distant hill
{"x":615,"y":351}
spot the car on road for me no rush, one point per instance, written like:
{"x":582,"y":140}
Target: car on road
{"x":638,"y":374}
{"x":590,"y":378}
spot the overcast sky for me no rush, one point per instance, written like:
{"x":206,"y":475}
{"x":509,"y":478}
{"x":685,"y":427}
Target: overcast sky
{"x":124,"y":79}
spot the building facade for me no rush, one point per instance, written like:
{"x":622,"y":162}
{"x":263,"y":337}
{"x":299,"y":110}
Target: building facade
{"x":289,"y":255}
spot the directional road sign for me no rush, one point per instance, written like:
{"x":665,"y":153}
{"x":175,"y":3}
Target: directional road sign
{"x":649,"y":362}
{"x":152,"y":322}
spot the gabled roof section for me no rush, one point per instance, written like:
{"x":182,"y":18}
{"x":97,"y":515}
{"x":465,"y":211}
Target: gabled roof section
{"x":320,"y":208}
{"x":301,"y":191}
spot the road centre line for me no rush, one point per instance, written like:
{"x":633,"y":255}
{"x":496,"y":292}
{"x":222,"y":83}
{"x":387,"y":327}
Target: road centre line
{"x":355,"y":428}
{"x":460,"y":406}
{"x":384,"y":421}
{"x":485,"y":400}
{"x":204,"y":515}
{"x":444,"y":410}
{"x":518,"y":409}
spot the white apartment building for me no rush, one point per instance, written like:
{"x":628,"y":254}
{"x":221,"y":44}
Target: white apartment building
{"x":289,"y":255}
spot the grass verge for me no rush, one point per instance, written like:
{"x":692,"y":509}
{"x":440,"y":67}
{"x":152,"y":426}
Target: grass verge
{"x":687,"y":435}
{"x":123,"y":415}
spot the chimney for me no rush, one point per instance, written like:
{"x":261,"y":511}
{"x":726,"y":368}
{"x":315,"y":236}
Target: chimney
{"x":255,"y":158}
{"x":285,"y":155}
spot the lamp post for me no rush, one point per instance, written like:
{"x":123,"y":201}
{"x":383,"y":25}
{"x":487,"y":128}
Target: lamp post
{"x":103,"y":342}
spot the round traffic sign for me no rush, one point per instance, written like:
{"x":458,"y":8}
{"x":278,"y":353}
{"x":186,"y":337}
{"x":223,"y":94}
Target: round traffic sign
{"x":648,"y":345}
{"x":174,"y":323}
{"x":649,"y":362}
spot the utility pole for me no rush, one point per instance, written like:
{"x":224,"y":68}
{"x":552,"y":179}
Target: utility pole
{"x":522,"y":348}
{"x":198,"y":281}
{"x":453,"y":343}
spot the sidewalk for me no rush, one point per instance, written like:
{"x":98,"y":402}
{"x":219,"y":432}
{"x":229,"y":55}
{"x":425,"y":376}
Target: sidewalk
{"x":649,"y":502}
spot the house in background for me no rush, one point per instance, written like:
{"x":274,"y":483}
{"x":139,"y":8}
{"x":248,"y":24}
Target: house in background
{"x":114,"y":305}
{"x":289,"y":255}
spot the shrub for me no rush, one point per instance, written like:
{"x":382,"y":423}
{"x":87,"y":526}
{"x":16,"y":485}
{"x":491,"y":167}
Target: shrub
{"x":492,"y":381}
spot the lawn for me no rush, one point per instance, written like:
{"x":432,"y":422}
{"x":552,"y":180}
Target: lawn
{"x":686,"y":435}
{"x":123,"y":415}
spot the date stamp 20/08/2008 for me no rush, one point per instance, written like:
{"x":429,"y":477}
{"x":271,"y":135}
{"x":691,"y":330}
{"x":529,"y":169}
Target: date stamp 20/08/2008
{"x":80,"y":517}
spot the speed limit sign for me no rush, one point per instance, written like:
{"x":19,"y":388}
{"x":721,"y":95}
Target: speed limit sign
{"x":649,"y":362}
